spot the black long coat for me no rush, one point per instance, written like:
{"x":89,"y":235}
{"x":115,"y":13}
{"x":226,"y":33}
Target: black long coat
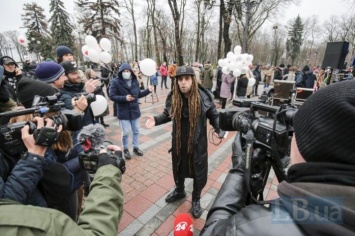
{"x":200,"y":155}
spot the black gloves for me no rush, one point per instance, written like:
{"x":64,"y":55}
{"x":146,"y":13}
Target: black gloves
{"x":113,"y":159}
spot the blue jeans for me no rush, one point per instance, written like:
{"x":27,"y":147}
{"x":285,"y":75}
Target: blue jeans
{"x":126,"y":126}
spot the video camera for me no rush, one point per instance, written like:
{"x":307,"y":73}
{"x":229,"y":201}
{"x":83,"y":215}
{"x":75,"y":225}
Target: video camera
{"x":10,"y":134}
{"x":271,"y":132}
{"x":90,"y":97}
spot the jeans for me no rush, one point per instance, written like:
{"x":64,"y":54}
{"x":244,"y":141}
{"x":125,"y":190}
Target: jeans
{"x":126,"y":126}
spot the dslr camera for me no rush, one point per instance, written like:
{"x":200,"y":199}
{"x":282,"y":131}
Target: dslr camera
{"x":90,"y":97}
{"x":89,"y":159}
{"x":10,"y":134}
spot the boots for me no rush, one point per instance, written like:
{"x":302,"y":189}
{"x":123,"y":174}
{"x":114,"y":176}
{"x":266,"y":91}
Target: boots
{"x":175,"y":195}
{"x":196,"y":210}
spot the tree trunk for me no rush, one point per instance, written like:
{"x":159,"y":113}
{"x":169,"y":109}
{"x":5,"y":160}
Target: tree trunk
{"x":219,"y":44}
{"x":198,"y":4}
{"x":176,"y":17}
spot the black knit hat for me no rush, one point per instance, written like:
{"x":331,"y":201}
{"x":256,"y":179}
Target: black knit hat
{"x":62,"y":50}
{"x":69,"y":66}
{"x":28,"y":88}
{"x":48,"y":71}
{"x":323,"y":125}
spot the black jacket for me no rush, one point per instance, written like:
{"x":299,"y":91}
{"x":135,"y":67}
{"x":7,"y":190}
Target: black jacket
{"x":242,"y":86}
{"x":200,"y":160}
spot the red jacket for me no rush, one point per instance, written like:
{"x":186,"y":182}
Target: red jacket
{"x":163,"y":70}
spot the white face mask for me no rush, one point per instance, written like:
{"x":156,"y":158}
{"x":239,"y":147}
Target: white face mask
{"x":126,"y":75}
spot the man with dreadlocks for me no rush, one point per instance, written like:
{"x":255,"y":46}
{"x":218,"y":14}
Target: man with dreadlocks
{"x":188,"y":105}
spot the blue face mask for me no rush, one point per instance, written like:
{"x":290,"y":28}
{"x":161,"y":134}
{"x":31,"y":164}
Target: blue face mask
{"x":126,"y":75}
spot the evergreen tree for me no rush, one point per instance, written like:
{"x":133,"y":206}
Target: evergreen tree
{"x":39,"y":40}
{"x":100,"y":18}
{"x":61,"y":28}
{"x":295,"y":39}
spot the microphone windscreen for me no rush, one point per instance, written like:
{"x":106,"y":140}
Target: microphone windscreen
{"x":183,"y":225}
{"x":94,"y":133}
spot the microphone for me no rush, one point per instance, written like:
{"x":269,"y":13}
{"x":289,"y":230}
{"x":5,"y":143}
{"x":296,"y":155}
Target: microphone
{"x":183,"y":225}
{"x":92,"y":136}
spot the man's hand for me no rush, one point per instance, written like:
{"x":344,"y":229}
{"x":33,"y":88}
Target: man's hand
{"x":150,"y":122}
{"x":80,"y":104}
{"x":91,"y":84}
{"x":115,"y":159}
{"x":130,"y":98}
{"x":151,"y":88}
{"x":18,"y":71}
{"x":28,"y":139}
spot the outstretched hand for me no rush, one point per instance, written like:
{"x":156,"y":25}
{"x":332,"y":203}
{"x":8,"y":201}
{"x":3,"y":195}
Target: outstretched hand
{"x":150,"y":122}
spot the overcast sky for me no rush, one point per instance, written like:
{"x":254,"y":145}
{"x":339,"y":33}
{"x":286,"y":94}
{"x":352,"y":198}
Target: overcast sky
{"x":11,"y":10}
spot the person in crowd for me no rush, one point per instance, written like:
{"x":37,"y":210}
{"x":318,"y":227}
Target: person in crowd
{"x":217,"y":93}
{"x":278,"y":72}
{"x":242,"y":86}
{"x":6,"y":103}
{"x":300,"y":80}
{"x":311,"y":79}
{"x":103,"y":207}
{"x":164,"y":74}
{"x":91,"y":74}
{"x":172,"y":73}
{"x":267,"y":76}
{"x":26,"y":66}
{"x":189,"y":106}
{"x":318,"y":196}
{"x":225,"y":93}
{"x":196,"y":68}
{"x":257,"y":77}
{"x":286,"y":71}
{"x":320,"y":83}
{"x":12,"y":75}
{"x":125,"y":91}
{"x":51,"y":73}
{"x":207,"y":76}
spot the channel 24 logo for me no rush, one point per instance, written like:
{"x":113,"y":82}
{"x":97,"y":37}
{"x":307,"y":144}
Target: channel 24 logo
{"x":307,"y":210}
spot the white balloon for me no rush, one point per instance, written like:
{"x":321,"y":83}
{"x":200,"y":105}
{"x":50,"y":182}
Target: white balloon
{"x":221,"y":62}
{"x":85,"y":50}
{"x":225,"y":70}
{"x":239,"y":57}
{"x":230,"y":55}
{"x":232,"y":65}
{"x":105,"y":57}
{"x":91,"y":41}
{"x":249,"y":58}
{"x":148,"y":67}
{"x":105,"y":44}
{"x":239,"y":64}
{"x":251,"y":82}
{"x":94,"y":55}
{"x":244,"y":70}
{"x":237,"y":50}
{"x":99,"y":106}
{"x":22,"y":39}
{"x":236,"y":72}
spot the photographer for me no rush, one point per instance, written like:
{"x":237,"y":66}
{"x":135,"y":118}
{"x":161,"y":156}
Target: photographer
{"x":103,"y":207}
{"x":318,"y":196}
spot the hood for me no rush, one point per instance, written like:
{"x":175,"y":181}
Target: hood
{"x":125,"y":66}
{"x":2,"y":60}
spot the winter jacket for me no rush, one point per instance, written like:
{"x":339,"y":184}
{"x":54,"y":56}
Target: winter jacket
{"x":197,"y":74}
{"x":242,"y":86}
{"x":172,"y":70}
{"x":163,"y":70}
{"x":311,"y":78}
{"x":154,"y":79}
{"x":278,"y":74}
{"x":226,"y":85}
{"x":200,"y":160}
{"x":119,"y":89}
{"x":101,"y":215}
{"x":207,"y":76}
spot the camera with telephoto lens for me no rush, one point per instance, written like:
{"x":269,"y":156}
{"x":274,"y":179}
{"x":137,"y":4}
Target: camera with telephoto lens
{"x":271,"y":128}
{"x":10,"y":133}
{"x":90,"y":97}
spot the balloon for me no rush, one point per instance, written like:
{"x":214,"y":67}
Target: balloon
{"x":232,"y":65}
{"x":91,"y":41}
{"x":244,"y":70}
{"x":93,"y":55}
{"x":239,"y":64}
{"x":251,"y":82}
{"x":221,"y":62}
{"x":105,"y":57}
{"x":239,"y":58}
{"x":249,"y":58}
{"x":230,"y":55}
{"x":105,"y":44}
{"x":148,"y":67}
{"x":21,"y":39}
{"x":236,"y":72}
{"x":98,"y":48}
{"x":237,"y":50}
{"x":225,"y":70}
{"x":99,"y":106}
{"x":85,"y":50}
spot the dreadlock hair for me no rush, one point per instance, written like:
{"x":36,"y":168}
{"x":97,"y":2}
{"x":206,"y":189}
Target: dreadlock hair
{"x":194,"y":112}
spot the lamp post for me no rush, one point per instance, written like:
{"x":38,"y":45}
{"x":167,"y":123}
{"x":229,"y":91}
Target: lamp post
{"x":275,"y":27}
{"x":249,"y":5}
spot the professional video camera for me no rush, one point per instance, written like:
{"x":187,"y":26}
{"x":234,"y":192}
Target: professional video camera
{"x":90,"y":97}
{"x":265,"y":128}
{"x":10,"y":134}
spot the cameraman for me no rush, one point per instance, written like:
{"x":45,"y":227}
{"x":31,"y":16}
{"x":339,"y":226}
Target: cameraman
{"x":103,"y":207}
{"x":318,"y":196}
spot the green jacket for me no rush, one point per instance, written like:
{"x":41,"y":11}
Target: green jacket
{"x":207,"y":77}
{"x":101,"y":215}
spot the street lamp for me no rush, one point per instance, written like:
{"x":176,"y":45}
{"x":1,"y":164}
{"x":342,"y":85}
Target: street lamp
{"x":275,"y":27}
{"x":249,"y":5}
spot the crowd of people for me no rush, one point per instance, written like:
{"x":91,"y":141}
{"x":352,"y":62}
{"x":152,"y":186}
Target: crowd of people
{"x":42,"y":188}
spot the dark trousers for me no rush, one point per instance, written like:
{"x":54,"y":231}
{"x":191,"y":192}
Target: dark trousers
{"x":256,"y":85}
{"x":163,"y":81}
{"x":224,"y":101}
{"x":180,"y":187}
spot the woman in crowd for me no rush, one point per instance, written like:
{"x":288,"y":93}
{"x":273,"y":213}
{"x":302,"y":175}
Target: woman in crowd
{"x":226,"y":88}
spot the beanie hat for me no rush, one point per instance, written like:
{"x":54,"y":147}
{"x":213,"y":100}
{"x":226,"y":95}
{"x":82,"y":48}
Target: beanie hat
{"x":305,"y":68}
{"x":282,"y":65}
{"x":69,"y":66}
{"x":28,"y":88}
{"x":62,"y":50}
{"x":322,"y":125}
{"x":48,"y":72}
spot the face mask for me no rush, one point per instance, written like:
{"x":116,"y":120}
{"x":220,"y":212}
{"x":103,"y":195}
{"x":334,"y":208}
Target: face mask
{"x":126,"y":75}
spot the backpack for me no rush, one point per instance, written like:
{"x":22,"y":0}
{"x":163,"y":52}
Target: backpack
{"x":300,"y":81}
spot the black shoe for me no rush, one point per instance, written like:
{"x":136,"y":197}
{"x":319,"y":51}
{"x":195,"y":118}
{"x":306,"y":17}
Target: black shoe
{"x":137,"y":151}
{"x":106,"y":125}
{"x":175,"y":195}
{"x":196,"y":210}
{"x":127,"y":155}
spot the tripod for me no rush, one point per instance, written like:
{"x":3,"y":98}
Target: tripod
{"x":152,"y":95}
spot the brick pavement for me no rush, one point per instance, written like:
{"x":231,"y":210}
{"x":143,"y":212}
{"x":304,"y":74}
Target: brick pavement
{"x":148,"y":179}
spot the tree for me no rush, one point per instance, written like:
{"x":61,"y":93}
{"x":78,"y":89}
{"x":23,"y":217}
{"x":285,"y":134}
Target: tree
{"x":12,"y":36}
{"x":61,"y":28}
{"x":295,"y":40}
{"x":100,"y":18}
{"x":37,"y":33}
{"x":129,"y":5}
